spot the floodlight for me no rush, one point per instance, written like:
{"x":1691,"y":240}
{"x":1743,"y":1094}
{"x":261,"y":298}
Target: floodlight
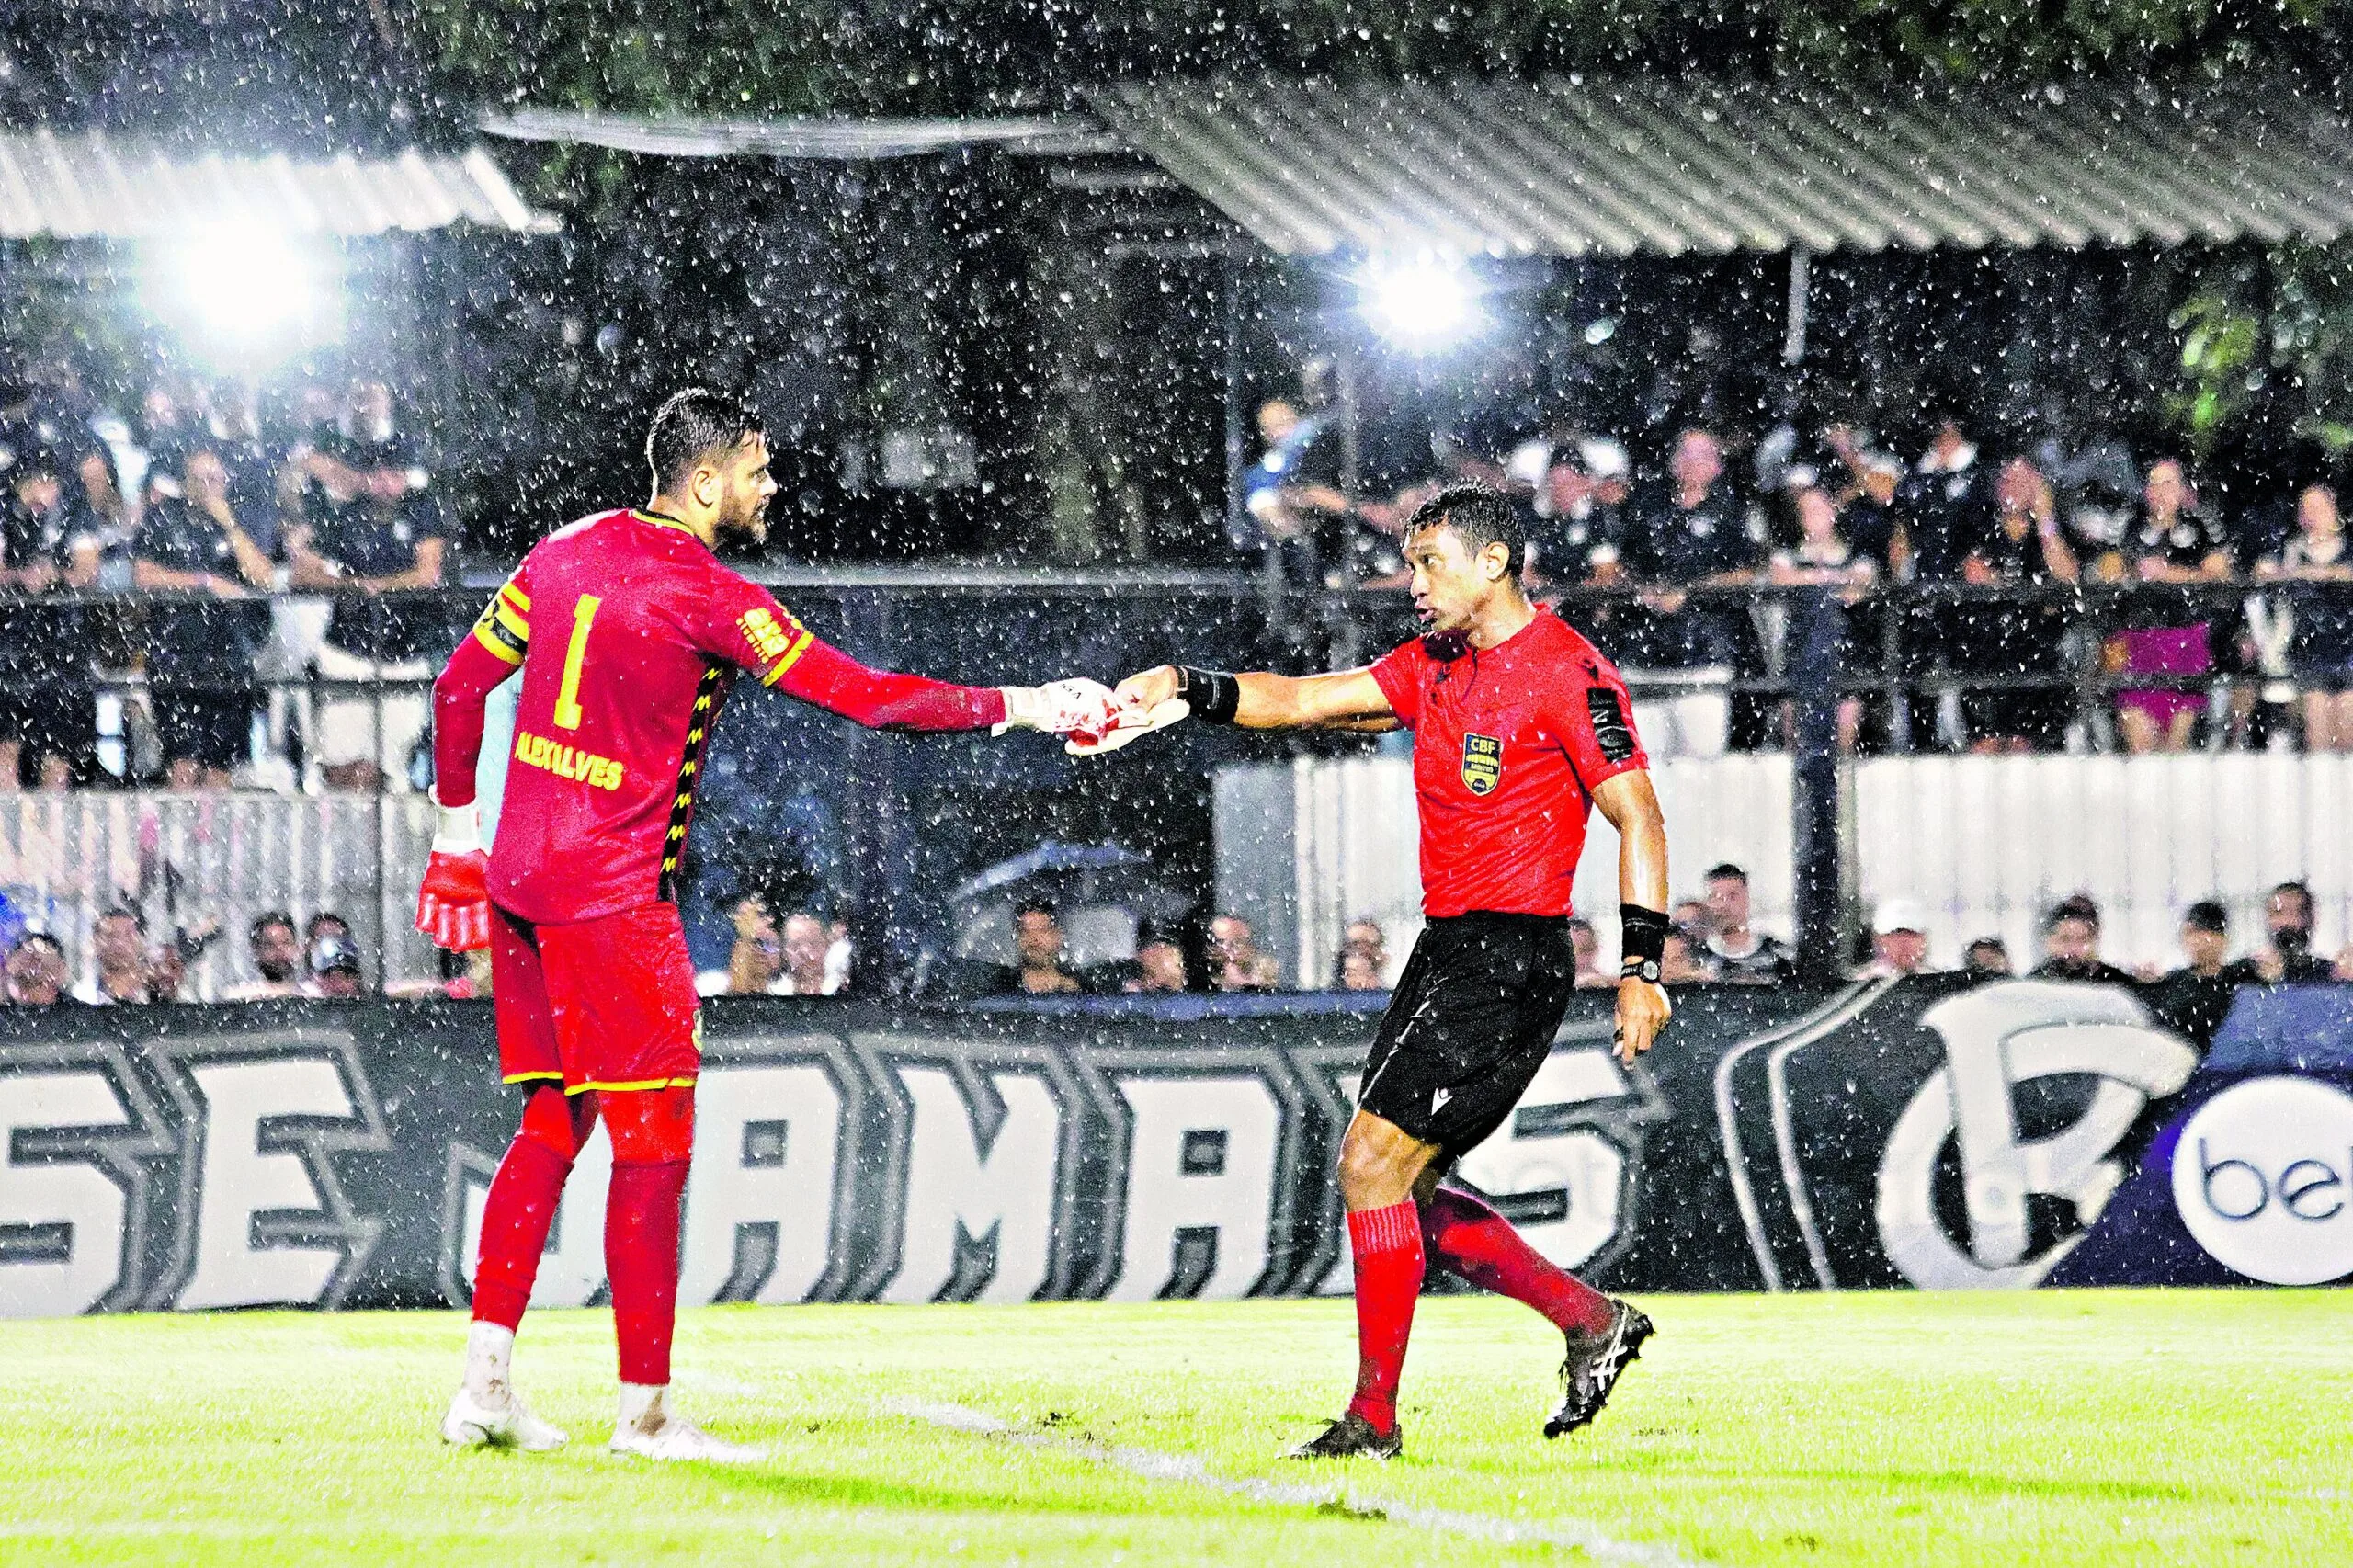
{"x":245,"y":292}
{"x":1421,"y":305}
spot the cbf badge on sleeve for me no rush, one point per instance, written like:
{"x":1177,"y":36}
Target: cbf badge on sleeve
{"x":1483,"y":763}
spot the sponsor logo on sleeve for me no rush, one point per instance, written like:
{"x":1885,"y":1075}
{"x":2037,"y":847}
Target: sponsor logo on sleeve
{"x":1611,"y":733}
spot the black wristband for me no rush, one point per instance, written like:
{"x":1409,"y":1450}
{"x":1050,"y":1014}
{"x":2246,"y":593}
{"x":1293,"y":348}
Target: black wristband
{"x":1642,"y":942}
{"x":1214,"y":695}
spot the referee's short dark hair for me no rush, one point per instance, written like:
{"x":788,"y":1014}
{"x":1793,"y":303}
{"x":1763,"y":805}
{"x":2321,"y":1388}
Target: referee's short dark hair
{"x":690,"y":426}
{"x":1725,"y":872}
{"x":1479,"y":516}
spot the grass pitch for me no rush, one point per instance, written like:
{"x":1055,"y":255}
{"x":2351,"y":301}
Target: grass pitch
{"x":2096,"y":1428}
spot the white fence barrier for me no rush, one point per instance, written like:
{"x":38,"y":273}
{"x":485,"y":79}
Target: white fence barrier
{"x":1985,"y":844}
{"x":1305,"y":846}
{"x":187,"y":861}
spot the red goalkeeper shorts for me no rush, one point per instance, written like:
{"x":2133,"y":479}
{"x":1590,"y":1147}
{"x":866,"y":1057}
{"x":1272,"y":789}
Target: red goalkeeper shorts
{"x":603,"y":1004}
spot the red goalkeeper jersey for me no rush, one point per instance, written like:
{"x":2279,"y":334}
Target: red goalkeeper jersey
{"x":629,"y":632}
{"x":1509,"y":743}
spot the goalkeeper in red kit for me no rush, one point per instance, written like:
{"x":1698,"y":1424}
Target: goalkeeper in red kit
{"x":1520,"y":728}
{"x":627,"y":632}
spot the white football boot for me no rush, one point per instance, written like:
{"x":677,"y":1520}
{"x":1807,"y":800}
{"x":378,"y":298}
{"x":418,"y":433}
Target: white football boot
{"x":488,"y":1413}
{"x":472,"y":1424}
{"x":648,"y":1429}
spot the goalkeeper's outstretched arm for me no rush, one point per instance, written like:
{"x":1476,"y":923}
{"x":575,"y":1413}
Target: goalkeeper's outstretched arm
{"x":1343,"y":699}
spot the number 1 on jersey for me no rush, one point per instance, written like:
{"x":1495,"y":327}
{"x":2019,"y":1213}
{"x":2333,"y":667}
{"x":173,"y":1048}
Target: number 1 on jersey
{"x":567,"y":695}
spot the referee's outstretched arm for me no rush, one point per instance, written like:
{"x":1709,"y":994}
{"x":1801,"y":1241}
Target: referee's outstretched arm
{"x":1343,"y":699}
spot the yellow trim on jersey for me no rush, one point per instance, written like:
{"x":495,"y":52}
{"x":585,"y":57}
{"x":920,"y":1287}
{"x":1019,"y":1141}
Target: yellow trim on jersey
{"x":529,"y":1078}
{"x":521,"y":600}
{"x":511,"y":620}
{"x":625,"y":1088}
{"x":659,"y":521}
{"x":484,"y":636}
{"x":791,"y":657}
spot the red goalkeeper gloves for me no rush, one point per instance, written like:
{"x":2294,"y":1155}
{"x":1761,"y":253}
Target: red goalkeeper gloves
{"x":453,"y":907}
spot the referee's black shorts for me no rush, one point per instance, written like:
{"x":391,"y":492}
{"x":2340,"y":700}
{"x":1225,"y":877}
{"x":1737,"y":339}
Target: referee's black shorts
{"x":1472,"y":1018}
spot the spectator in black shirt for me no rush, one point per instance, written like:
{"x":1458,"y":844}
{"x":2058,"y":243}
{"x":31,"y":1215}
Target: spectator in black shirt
{"x":1039,"y":969}
{"x":2071,"y":945}
{"x":1292,"y":494}
{"x":1693,"y":534}
{"x":192,"y":552}
{"x":1734,"y":952}
{"x":2167,"y":633}
{"x":2196,"y":997}
{"x":256,"y":467}
{"x":2288,"y":921}
{"x":375,"y":527}
{"x":1821,"y":632}
{"x":48,"y":722}
{"x":1575,"y":493}
{"x":1943,"y":506}
{"x":1870,"y":521}
{"x":2023,"y":548}
{"x":2318,"y":561}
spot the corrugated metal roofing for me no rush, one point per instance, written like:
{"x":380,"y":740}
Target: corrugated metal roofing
{"x":95,"y":186}
{"x":1574,"y":165}
{"x":804,"y":136}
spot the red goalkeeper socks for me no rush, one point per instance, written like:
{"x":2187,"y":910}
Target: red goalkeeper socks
{"x":641,"y":1258}
{"x":520,"y":1206}
{"x":1468,"y":1238}
{"x":1388,"y":1247}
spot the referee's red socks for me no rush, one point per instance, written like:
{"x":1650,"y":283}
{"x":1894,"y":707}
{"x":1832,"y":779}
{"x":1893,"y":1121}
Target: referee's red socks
{"x":1388,"y":1247}
{"x":652,"y":1131}
{"x":1467,"y":1238}
{"x":521,"y":1203}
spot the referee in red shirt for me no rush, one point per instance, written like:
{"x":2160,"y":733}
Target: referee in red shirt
{"x":1520,"y":725}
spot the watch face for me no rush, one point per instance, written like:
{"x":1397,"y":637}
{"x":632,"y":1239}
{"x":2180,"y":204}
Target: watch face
{"x":1642,"y":969}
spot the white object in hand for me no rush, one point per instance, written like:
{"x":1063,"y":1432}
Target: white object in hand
{"x":1131,"y":722}
{"x":1076,"y":706}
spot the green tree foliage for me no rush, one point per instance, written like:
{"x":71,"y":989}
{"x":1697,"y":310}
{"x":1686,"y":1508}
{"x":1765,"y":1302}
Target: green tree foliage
{"x":2252,"y":328}
{"x":766,"y":57}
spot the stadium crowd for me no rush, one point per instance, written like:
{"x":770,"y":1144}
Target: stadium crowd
{"x":2240,"y":621}
{"x":318,"y":960}
{"x":245,"y":550}
{"x":249,"y":553}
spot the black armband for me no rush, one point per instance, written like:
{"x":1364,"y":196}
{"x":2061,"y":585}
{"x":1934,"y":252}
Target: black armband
{"x":1642,"y":942}
{"x":1214,"y":695}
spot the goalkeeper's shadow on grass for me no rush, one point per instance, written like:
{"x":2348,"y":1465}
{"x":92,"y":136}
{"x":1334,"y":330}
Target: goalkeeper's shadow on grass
{"x":775,"y":1482}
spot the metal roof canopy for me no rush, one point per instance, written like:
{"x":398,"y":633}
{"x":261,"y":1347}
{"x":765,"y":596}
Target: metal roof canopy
{"x":1584,"y":166}
{"x":810,"y":136}
{"x":98,"y":187}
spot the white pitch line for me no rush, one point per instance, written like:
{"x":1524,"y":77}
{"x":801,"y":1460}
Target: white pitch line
{"x":1186,"y":1469}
